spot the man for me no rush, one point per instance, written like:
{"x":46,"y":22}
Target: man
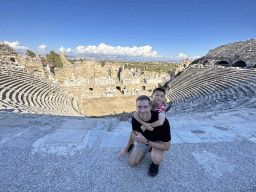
{"x":159,"y":139}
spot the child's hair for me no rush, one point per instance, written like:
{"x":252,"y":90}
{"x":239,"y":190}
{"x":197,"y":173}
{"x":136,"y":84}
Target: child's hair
{"x":159,"y":89}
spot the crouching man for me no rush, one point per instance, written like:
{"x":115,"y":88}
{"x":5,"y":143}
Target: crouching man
{"x":157,"y":141}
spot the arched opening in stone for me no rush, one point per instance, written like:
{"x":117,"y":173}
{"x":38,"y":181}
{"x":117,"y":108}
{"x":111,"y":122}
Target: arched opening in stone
{"x":91,"y":89}
{"x":143,"y":88}
{"x":239,"y":64}
{"x":205,"y":62}
{"x":12,"y":59}
{"x":222,"y":63}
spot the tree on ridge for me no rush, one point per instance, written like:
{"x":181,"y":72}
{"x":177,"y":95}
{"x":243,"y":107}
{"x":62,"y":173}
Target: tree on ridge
{"x":30,"y":53}
{"x":55,"y":59}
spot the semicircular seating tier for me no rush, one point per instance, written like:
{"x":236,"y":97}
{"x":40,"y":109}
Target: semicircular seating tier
{"x":212,"y":89}
{"x":28,"y":93}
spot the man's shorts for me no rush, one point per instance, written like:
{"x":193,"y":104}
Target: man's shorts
{"x":143,"y":147}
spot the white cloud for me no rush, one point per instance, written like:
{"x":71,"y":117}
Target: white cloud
{"x":195,"y":57}
{"x":62,"y":49}
{"x":103,"y":52}
{"x":15,"y":45}
{"x":42,"y":49}
{"x":69,"y":50}
{"x":107,"y":50}
{"x":181,"y":56}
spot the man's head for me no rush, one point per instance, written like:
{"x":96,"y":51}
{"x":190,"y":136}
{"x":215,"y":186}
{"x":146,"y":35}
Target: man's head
{"x":143,"y":107}
{"x":158,"y":95}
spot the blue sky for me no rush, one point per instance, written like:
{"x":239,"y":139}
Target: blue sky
{"x":126,"y":30}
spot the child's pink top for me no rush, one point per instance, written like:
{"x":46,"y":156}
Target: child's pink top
{"x":160,"y":109}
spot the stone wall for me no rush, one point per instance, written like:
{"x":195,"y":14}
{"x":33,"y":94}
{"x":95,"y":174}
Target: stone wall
{"x":239,"y":54}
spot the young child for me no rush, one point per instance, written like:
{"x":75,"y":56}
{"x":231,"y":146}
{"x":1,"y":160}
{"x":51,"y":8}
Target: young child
{"x":157,"y":105}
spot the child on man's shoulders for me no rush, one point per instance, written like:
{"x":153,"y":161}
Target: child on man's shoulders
{"x":157,"y":105}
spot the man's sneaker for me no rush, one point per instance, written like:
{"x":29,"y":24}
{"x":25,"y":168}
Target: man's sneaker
{"x":130,"y":148}
{"x":153,"y":170}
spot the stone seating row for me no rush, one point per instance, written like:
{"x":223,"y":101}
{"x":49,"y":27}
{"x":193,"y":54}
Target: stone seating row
{"x":206,"y":88}
{"x":184,"y":82}
{"x":36,"y":95}
{"x":216,"y":96}
{"x":195,"y":77}
{"x":30,"y":101}
{"x":246,"y":91}
{"x":29,"y":78}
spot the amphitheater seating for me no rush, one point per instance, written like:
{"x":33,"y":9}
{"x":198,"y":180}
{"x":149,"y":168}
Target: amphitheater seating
{"x":28,"y":93}
{"x":204,"y":89}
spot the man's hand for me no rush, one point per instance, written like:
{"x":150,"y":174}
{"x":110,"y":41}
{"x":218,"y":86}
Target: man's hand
{"x":122,"y":154}
{"x":139,"y":138}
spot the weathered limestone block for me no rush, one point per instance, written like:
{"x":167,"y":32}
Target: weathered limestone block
{"x":130,"y":81}
{"x":126,"y":74}
{"x":65,"y":61}
{"x":153,"y":80}
{"x":76,"y":82}
{"x":103,"y":81}
{"x":110,"y":92}
{"x":131,"y":91}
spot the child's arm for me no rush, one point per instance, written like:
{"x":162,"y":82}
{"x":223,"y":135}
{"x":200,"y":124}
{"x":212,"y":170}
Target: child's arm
{"x":161,"y":117}
{"x":159,"y":122}
{"x":144,"y":124}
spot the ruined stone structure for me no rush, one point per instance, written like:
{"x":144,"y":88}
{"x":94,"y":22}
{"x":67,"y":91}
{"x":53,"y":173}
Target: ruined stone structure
{"x":37,"y":65}
{"x":239,"y":54}
{"x":24,"y":88}
{"x":199,"y":87}
{"x":180,"y":67}
{"x":92,"y":79}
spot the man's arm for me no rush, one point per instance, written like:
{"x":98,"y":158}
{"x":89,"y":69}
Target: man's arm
{"x":125,"y":150}
{"x":130,"y":140}
{"x":164,"y":146}
{"x":159,"y":122}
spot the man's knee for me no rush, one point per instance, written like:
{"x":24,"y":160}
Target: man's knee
{"x":133,"y":161}
{"x":157,"y":156}
{"x":136,"y":157}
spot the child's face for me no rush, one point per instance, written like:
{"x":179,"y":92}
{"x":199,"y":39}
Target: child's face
{"x":158,"y":97}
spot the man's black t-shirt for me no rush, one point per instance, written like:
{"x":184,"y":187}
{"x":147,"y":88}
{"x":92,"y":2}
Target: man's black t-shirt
{"x":162,"y":133}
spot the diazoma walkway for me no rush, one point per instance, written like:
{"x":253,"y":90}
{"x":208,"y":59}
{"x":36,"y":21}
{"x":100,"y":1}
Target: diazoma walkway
{"x":213,"y":125}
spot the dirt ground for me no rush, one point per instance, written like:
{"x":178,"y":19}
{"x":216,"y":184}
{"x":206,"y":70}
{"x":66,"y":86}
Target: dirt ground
{"x":123,"y":107}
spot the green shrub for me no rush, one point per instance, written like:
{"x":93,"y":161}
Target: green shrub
{"x":30,"y":53}
{"x":71,"y":61}
{"x":102,"y":63}
{"x":55,"y":59}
